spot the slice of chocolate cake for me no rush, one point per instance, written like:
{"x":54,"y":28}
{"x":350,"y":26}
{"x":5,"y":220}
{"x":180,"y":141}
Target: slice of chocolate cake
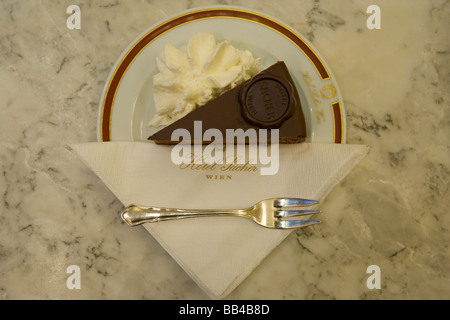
{"x":267,"y":101}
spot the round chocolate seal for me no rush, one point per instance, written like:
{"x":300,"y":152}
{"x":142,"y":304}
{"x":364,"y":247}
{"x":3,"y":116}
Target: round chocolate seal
{"x":266,"y":102}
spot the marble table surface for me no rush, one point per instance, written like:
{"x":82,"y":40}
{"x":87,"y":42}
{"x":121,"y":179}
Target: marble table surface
{"x":391,"y":211}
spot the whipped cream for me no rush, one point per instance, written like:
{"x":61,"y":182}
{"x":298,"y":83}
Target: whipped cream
{"x":190,"y":76}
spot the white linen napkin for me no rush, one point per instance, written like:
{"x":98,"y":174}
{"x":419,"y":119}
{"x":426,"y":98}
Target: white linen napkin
{"x":217,"y":252}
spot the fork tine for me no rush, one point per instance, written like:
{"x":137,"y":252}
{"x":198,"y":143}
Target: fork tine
{"x":294,"y":213}
{"x":292,"y":224}
{"x":292,"y":202}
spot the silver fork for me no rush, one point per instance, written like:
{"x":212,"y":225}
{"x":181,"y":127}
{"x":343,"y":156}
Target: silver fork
{"x":271,"y":213}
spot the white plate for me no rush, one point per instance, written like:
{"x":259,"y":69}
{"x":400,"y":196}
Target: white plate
{"x":127,"y":106}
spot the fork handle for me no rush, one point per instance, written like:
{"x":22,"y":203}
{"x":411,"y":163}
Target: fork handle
{"x":135,"y":214}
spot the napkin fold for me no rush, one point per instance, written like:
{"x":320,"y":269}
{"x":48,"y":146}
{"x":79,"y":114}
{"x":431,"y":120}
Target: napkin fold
{"x":217,"y":252}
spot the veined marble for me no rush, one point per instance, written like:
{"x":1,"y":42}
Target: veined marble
{"x":390,"y":211}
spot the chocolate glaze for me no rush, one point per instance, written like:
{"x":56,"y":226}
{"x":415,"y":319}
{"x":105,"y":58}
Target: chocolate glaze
{"x":267,"y":101}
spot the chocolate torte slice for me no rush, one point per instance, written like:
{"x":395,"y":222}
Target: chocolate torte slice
{"x":267,"y":101}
